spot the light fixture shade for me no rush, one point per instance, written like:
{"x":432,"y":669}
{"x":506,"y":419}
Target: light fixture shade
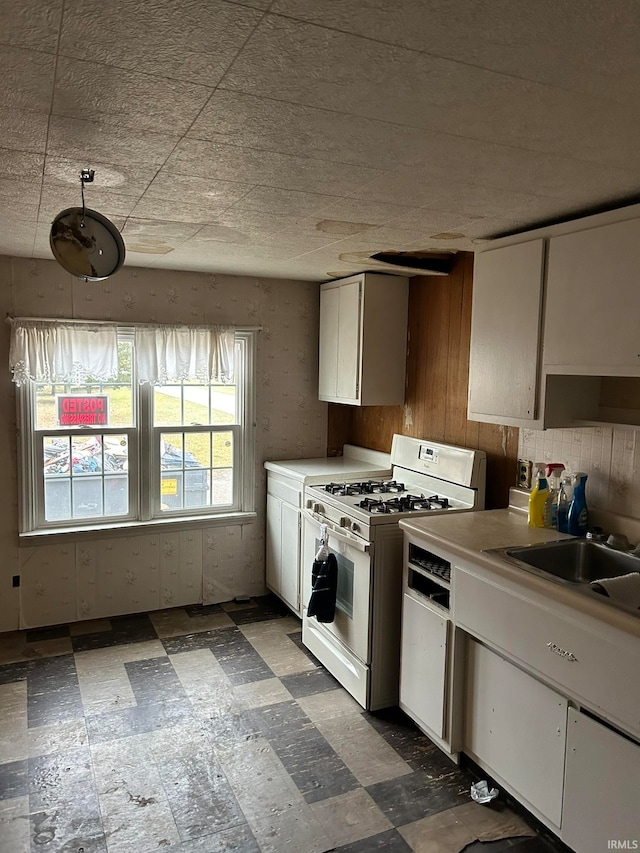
{"x":86,"y":243}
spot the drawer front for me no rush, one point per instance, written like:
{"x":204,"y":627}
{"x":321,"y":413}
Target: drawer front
{"x":587,"y":666}
{"x":288,"y":490}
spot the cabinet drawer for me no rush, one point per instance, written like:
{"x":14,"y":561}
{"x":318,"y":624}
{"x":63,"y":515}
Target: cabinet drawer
{"x":288,"y":490}
{"x":582,"y":663}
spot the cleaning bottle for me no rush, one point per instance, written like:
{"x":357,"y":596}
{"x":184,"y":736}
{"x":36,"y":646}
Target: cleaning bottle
{"x":554,"y":472}
{"x":578,"y":515}
{"x":564,"y":500}
{"x":537,"y":499}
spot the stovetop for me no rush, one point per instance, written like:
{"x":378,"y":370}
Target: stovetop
{"x":434,"y":478}
{"x":386,"y":496}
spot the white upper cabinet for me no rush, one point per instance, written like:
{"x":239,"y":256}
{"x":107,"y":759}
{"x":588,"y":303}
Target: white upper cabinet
{"x":363,"y":340}
{"x":591,"y":318}
{"x":505,"y":332}
{"x":555,"y":340}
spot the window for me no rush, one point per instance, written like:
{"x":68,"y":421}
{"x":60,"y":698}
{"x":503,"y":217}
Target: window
{"x":114,"y":452}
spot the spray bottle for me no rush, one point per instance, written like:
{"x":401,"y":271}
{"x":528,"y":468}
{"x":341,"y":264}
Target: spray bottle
{"x":564,"y":501}
{"x":554,"y":472}
{"x":537,"y":498}
{"x":578,"y":516}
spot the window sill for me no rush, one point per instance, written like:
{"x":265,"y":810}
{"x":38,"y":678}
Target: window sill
{"x":133,"y":528}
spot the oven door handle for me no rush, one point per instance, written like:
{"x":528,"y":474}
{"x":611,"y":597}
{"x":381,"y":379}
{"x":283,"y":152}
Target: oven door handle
{"x":340,"y":535}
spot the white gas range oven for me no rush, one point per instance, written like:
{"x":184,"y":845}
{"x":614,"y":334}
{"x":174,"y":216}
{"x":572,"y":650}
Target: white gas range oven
{"x":361,"y":647}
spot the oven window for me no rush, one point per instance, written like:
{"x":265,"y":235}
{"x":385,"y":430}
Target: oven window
{"x":344,"y":594}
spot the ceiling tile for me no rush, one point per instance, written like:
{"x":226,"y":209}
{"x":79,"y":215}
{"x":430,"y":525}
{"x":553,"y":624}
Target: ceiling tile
{"x":123,"y":180}
{"x":283,"y":171}
{"x":445,"y":193}
{"x":108,"y":142}
{"x":314,"y":66}
{"x":155,"y":238}
{"x":21,"y":165}
{"x":287,"y":202}
{"x":56,"y":198}
{"x":31,"y":23}
{"x":92,"y":91}
{"x":177,"y":211}
{"x":20,"y":196}
{"x":372,"y":213}
{"x":273,"y":125}
{"x":27,"y":79}
{"x":197,"y":188}
{"x":525,"y":40}
{"x":242,"y":227}
{"x":22,"y":130}
{"x":191,"y":40}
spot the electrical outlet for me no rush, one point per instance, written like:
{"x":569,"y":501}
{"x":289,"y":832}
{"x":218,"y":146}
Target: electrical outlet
{"x":525,"y":467}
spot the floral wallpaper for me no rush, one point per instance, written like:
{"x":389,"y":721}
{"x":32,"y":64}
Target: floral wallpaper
{"x":93,"y":578}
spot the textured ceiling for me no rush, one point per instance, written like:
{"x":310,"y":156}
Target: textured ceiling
{"x":294,"y":138}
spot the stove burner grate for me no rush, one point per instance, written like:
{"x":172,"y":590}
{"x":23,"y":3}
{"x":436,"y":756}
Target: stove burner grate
{"x":404,"y":503}
{"x":367,"y":487}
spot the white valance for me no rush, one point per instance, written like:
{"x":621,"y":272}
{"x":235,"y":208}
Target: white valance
{"x":174,"y":353}
{"x":62,"y":351}
{"x":59,"y":352}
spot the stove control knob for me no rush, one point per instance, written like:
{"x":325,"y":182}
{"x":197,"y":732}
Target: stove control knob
{"x":309,"y":504}
{"x":345,"y":522}
{"x":355,"y":527}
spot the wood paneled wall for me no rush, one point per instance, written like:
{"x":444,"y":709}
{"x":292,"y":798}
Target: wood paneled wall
{"x":437,"y":384}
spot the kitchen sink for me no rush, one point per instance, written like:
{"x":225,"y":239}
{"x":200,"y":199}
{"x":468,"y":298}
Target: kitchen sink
{"x":576,"y":560}
{"x":574,"y":563}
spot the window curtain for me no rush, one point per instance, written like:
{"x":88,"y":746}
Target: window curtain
{"x":55,"y":351}
{"x":58,"y":352}
{"x":173,"y":353}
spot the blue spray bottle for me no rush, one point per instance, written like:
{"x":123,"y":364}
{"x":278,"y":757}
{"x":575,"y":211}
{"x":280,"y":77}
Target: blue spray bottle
{"x":578,"y":517}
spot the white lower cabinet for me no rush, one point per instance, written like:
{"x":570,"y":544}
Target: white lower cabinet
{"x":283,"y":551}
{"x":515,"y":729}
{"x":423,"y":665}
{"x":602,"y":788}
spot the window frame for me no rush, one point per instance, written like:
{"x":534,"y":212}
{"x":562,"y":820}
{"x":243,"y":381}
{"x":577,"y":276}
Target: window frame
{"x":144,"y":456}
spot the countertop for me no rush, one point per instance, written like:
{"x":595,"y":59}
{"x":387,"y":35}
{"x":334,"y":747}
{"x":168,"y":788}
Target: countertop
{"x":355,"y":463}
{"x":468,"y":535}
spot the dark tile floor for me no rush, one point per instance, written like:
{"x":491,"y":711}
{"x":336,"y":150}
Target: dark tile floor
{"x":206,"y":729}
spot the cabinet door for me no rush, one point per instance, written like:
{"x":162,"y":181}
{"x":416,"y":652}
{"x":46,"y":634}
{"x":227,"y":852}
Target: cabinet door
{"x":328,"y":365}
{"x":515,"y":727}
{"x":283,"y":551}
{"x":274,"y":544}
{"x":591,"y":314}
{"x":290,"y":556}
{"x":505,"y":332}
{"x":423,"y":665}
{"x":602,"y":787}
{"x":349,"y":342}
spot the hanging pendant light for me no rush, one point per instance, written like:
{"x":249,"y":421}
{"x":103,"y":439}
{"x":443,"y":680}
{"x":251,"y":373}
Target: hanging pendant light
{"x":84,"y":242}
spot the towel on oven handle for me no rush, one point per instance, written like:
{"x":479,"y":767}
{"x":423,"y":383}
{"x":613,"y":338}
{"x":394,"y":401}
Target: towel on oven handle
{"x":324,"y":576}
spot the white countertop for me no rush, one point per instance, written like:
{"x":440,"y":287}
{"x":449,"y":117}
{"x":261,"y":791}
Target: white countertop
{"x":355,"y":463}
{"x":468,"y":535}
